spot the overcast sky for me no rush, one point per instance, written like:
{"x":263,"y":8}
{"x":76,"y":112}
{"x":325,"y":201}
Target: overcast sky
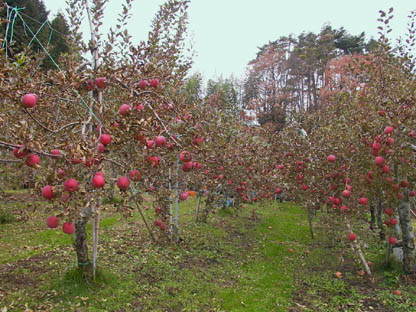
{"x":227,"y":33}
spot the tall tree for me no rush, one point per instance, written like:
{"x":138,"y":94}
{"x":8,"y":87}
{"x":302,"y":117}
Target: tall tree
{"x":25,"y":19}
{"x":59,"y":41}
{"x":223,"y":93}
{"x":286,"y":76}
{"x":27,"y":27}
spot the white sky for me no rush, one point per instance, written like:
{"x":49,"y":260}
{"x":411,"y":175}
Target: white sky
{"x":227,"y":33}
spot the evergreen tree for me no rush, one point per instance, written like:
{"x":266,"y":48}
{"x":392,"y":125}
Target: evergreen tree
{"x":27,"y":18}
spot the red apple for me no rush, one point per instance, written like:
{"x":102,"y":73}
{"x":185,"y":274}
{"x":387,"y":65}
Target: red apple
{"x":124,"y":109}
{"x":346,"y":193}
{"x":397,"y":292}
{"x":20,"y":152}
{"x":71,"y":185}
{"x":197,"y":165}
{"x":160,"y":140}
{"x":198,"y":140}
{"x":101,"y":82}
{"x":392,"y":240}
{"x":153,"y":160}
{"x":379,"y":161}
{"x":32,"y":160}
{"x":376,"y":146}
{"x":154,"y":82}
{"x":141,"y":138}
{"x":140,"y":107}
{"x":185,"y":156}
{"x":389,"y":179}
{"x":404,"y":183}
{"x":363,"y":201}
{"x":123,"y":183}
{"x":187,"y":166}
{"x":68,"y":228}
{"x":393,"y":221}
{"x":100,"y":148}
{"x":52,"y":222}
{"x":105,"y":139}
{"x":352,"y":236}
{"x":183,"y":196}
{"x":134,"y":175}
{"x":98,"y":180}
{"x":89,"y":162}
{"x":412,"y":193}
{"x":388,"y":211}
{"x":150,"y":143}
{"x":331,"y":158}
{"x":385,"y":169}
{"x":29,"y":100}
{"x":47,"y":192}
{"x":389,"y":141}
{"x":143,"y":84}
{"x":61,"y":172}
{"x":56,"y":152}
{"x":388,"y":130}
{"x":75,"y":161}
{"x":337,"y":201}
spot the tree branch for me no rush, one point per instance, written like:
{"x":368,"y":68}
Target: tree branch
{"x":46,"y":128}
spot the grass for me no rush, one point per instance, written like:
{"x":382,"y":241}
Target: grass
{"x":266,"y":283}
{"x":238,"y":261}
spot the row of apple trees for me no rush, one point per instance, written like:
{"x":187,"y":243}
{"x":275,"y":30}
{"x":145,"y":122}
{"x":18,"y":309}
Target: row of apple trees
{"x":121,"y":117}
{"x":357,"y":155}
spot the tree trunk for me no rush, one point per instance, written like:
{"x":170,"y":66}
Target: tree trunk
{"x":409,"y":253}
{"x":81,"y":243}
{"x":198,"y":205}
{"x":380,"y":219}
{"x":310,"y":217}
{"x":373,"y":217}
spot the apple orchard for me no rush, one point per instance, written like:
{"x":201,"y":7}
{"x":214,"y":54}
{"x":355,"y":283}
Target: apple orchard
{"x":123,"y":120}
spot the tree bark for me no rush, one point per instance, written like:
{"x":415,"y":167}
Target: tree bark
{"x":409,"y":252}
{"x":310,"y":217}
{"x":373,"y":217}
{"x":380,"y":219}
{"x":81,"y":242}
